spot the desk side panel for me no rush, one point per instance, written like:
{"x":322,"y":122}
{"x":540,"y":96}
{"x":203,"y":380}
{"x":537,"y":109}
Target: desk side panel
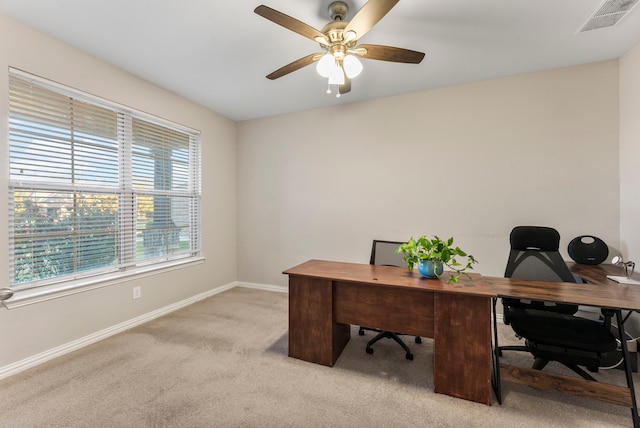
{"x":462,"y":354}
{"x":397,"y":309}
{"x":314,"y":336}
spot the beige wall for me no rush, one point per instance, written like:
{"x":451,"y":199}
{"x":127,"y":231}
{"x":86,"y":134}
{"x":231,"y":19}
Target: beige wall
{"x":470,"y":161}
{"x":33,"y":329}
{"x":630,"y":154}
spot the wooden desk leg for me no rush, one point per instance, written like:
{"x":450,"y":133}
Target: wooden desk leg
{"x":313,"y":334}
{"x":495,"y":355}
{"x":462,"y":354}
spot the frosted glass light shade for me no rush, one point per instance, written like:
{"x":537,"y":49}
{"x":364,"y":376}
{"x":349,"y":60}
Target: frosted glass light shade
{"x":337,"y":76}
{"x":352,"y":66}
{"x":326,"y":64}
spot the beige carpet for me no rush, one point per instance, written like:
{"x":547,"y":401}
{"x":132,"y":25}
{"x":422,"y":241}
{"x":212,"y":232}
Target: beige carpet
{"x":223,"y":362}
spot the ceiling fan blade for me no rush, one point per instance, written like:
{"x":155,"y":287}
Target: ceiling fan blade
{"x":290,"y":23}
{"x":295,"y":65}
{"x":388,"y":53}
{"x":345,"y":87}
{"x":368,"y":16}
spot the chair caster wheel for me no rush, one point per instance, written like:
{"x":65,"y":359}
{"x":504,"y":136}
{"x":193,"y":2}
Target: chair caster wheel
{"x":369,"y":351}
{"x":410,"y":357}
{"x":418,"y":339}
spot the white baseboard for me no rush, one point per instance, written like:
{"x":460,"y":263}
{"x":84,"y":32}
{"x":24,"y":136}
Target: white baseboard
{"x":58,"y":351}
{"x":266,"y":287}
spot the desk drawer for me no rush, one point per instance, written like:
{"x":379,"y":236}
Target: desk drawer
{"x":403,"y":310}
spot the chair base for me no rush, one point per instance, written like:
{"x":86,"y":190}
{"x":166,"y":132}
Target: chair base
{"x":540,"y":363}
{"x":417,"y":339}
{"x":393,"y":336}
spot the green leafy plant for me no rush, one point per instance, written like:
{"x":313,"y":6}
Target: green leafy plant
{"x":437,"y":250}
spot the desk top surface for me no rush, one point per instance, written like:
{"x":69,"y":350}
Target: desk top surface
{"x":599,"y":292}
{"x":611,"y":295}
{"x":597,"y":274}
{"x":390,"y":276}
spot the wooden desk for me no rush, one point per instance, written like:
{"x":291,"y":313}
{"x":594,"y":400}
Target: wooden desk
{"x":599,"y":292}
{"x":326,"y":297}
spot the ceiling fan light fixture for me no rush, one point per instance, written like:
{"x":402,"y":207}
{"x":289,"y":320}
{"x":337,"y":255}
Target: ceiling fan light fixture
{"x":338,"y":39}
{"x":352,"y":66}
{"x":326,"y":65}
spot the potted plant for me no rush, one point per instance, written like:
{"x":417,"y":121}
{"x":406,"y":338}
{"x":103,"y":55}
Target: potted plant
{"x":432,"y":254}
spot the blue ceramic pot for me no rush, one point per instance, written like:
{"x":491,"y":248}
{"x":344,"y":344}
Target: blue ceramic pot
{"x":429,"y":269}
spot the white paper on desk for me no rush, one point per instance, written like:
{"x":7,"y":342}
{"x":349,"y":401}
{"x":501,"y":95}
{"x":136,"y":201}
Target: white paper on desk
{"x":623,"y":280}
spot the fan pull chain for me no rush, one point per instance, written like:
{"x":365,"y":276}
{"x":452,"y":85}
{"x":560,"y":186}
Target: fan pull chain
{"x":338,"y":94}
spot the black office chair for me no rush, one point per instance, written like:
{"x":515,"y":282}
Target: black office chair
{"x":551,"y":331}
{"x":384,"y":253}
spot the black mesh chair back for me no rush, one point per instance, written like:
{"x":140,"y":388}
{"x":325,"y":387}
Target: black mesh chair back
{"x":535,"y":256}
{"x":384,"y":253}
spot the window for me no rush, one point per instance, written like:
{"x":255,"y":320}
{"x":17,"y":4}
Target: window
{"x":95,"y":188}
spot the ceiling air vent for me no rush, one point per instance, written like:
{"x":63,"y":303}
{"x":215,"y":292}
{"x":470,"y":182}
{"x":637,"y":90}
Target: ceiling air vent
{"x":608,"y":14}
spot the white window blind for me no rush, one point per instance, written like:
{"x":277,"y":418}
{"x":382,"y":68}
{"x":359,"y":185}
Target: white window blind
{"x":95,"y":188}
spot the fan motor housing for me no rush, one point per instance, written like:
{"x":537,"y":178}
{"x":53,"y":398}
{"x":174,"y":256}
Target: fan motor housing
{"x":334,"y":31}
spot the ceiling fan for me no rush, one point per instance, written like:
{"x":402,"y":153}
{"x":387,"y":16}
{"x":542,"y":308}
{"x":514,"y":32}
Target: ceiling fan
{"x":339,"y":41}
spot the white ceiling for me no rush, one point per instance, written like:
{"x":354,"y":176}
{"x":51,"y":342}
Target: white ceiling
{"x":217,"y":53}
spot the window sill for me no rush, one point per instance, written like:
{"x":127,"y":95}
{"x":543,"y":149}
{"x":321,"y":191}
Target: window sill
{"x":50,"y":292}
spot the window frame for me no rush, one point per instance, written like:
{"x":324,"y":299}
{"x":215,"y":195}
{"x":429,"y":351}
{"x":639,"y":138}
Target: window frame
{"x":130,"y":266}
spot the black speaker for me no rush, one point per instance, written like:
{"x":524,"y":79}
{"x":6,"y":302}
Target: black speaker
{"x":588,"y":250}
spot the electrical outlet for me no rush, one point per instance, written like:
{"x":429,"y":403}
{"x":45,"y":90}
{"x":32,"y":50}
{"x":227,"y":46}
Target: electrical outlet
{"x":137,"y":292}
